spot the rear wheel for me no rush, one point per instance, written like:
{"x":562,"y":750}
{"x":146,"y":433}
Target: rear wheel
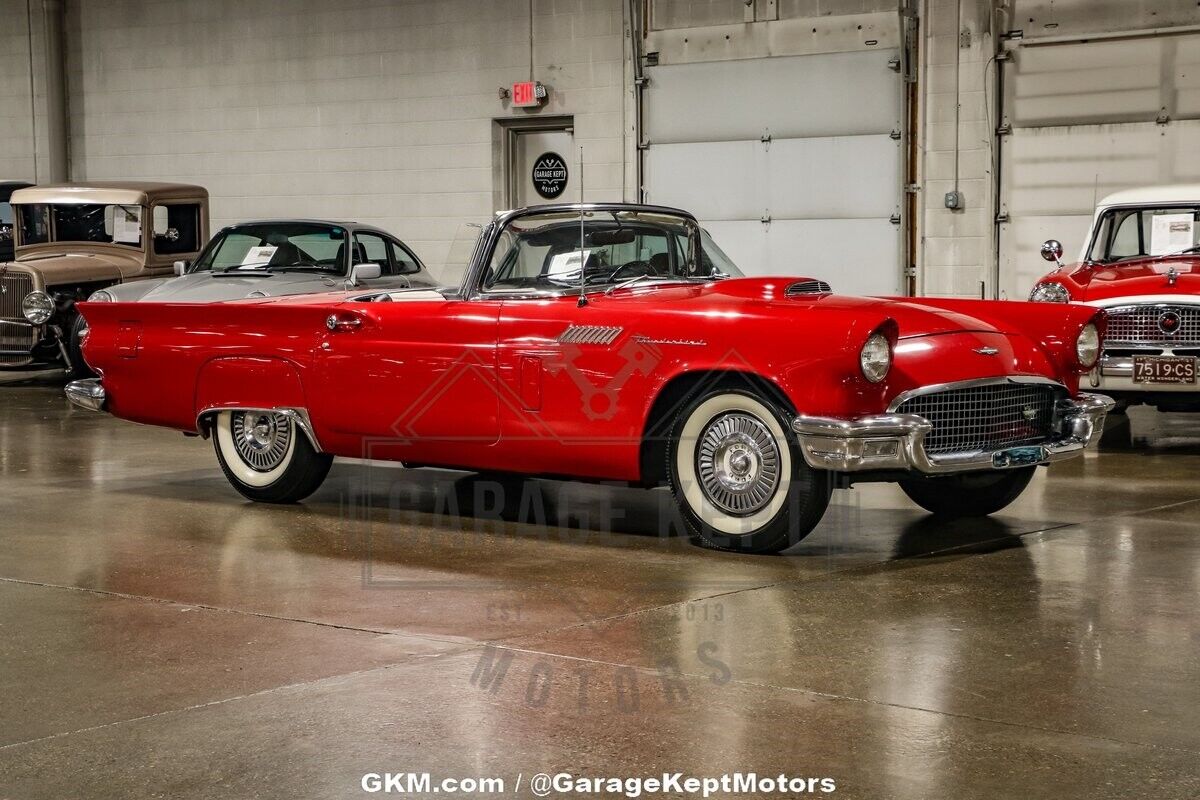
{"x":974,"y":495}
{"x":738,"y":479}
{"x":266,"y":457}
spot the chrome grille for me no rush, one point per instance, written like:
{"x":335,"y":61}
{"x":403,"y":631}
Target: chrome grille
{"x":1140,"y":324}
{"x":988,"y":417}
{"x":807,"y":287}
{"x":14,"y":337}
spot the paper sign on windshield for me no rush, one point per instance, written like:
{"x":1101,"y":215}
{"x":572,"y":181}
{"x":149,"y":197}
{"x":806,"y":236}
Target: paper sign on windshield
{"x":127,"y":224}
{"x":259,"y":255}
{"x":1171,"y":233}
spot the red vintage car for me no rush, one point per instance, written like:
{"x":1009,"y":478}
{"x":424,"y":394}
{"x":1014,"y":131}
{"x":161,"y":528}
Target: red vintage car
{"x":617,"y":342}
{"x":1141,"y":264}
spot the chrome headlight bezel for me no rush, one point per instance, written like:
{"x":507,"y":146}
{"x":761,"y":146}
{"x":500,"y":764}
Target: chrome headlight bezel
{"x":101,"y":296}
{"x":1049,"y":292}
{"x":875,"y":358}
{"x":37,"y":308}
{"x":1087,"y":346}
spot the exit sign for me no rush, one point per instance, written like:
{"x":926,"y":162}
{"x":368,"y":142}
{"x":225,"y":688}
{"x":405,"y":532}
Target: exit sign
{"x":527,"y":94}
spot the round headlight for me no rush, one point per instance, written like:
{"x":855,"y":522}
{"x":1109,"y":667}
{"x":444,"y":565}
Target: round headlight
{"x":1087,"y":346}
{"x":38,"y":307}
{"x":101,"y":296}
{"x":1050,"y":293}
{"x":875,"y":358}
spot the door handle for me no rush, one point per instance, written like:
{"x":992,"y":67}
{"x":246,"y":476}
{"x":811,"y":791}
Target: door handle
{"x":343,"y":322}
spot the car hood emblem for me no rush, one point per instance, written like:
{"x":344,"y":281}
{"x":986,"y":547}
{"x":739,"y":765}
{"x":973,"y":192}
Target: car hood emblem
{"x":986,"y":351}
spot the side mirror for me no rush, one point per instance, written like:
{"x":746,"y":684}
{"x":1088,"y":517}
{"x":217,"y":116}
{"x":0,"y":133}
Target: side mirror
{"x":364,"y":272}
{"x":180,"y":267}
{"x":1052,"y":251}
{"x":162,"y":224}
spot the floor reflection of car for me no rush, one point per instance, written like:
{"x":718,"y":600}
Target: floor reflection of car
{"x":283,"y":257}
{"x":617,"y":342}
{"x":1141,"y":263}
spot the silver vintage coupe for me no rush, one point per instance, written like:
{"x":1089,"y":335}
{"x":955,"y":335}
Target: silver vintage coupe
{"x":282,"y":257}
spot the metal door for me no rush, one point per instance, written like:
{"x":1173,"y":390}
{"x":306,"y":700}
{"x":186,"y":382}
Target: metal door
{"x":544,"y":168}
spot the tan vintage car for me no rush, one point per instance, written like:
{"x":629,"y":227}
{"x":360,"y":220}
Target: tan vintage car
{"x":73,"y":239}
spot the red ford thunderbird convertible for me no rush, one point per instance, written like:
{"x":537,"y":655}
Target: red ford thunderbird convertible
{"x":617,"y":342}
{"x":1141,"y":263}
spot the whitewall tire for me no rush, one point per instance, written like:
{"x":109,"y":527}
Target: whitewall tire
{"x":266,"y":457}
{"x":738,"y":478}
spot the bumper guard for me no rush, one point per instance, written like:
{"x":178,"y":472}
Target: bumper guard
{"x":87,"y":394}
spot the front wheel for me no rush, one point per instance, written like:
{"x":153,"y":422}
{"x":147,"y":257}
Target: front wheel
{"x":266,"y":457}
{"x":75,"y":331}
{"x":738,"y":479}
{"x":974,"y":495}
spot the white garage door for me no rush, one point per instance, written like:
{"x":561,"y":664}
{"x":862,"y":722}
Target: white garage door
{"x":790,"y":162}
{"x":1083,"y":119}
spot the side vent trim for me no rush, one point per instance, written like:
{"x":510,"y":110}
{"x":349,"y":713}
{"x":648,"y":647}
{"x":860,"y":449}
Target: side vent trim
{"x":590,"y":334}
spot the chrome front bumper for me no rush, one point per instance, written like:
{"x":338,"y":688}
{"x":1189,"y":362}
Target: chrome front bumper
{"x":897,"y":441}
{"x":87,"y":394}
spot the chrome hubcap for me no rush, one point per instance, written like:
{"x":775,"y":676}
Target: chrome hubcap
{"x":261,"y":439}
{"x":737,"y":460}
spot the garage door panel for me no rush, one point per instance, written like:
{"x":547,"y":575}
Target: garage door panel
{"x":834,"y":94}
{"x":838,"y":177}
{"x":855,"y":256}
{"x":1021,"y":242}
{"x":1105,"y":81}
{"x":1067,"y":168}
{"x":713,"y":180}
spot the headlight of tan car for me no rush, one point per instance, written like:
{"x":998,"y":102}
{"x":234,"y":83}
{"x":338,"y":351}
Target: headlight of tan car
{"x":101,"y":296}
{"x":38,"y":307}
{"x":1087,"y":346}
{"x":1050,"y":293}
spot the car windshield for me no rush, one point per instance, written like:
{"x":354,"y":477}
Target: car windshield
{"x":557,"y":252}
{"x":276,"y":246}
{"x":80,"y":222}
{"x":1138,"y":232}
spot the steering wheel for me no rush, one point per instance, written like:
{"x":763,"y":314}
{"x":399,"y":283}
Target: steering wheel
{"x":630,"y":266}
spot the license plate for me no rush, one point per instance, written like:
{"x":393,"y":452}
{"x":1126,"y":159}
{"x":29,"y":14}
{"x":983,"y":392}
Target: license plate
{"x":1019,"y":457}
{"x":1164,"y":369}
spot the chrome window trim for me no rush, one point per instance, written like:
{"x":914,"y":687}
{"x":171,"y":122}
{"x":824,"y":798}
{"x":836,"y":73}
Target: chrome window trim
{"x":904,"y":397}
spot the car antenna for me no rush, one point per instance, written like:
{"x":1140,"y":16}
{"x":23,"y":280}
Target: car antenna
{"x":582,"y":260}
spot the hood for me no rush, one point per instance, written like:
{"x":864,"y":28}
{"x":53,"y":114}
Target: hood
{"x":913,"y":317}
{"x":1094,"y":283}
{"x":205,"y":287}
{"x":54,"y":270}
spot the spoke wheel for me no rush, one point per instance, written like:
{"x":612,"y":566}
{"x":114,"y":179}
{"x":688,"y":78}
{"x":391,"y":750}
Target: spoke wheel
{"x":738,"y":462}
{"x":261,"y":439}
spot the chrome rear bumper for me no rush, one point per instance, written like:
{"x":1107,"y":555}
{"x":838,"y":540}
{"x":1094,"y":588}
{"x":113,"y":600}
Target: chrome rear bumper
{"x":897,"y":441}
{"x":87,"y":394}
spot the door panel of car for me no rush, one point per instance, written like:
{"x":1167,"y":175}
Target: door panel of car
{"x":411,"y":380}
{"x":572,"y":381}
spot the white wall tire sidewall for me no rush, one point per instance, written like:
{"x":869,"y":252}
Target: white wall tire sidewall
{"x":689,"y":482}
{"x":242,"y":471}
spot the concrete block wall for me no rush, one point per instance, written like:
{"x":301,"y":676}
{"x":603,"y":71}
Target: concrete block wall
{"x":376,"y":111}
{"x":16,"y":104}
{"x":957,"y":249}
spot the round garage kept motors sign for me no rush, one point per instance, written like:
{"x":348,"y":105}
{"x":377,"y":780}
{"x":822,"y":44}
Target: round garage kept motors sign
{"x":549,"y":175}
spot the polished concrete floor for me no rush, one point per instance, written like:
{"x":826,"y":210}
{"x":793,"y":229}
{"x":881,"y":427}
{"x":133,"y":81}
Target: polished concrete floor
{"x":160,"y":637}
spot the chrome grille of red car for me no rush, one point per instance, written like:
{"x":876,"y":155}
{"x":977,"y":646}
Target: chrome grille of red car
{"x":15,"y":340}
{"x":1150,"y":323}
{"x":988,"y":417}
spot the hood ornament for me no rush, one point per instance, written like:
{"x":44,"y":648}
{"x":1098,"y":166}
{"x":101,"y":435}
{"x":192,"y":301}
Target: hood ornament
{"x":1172,"y":276}
{"x":986,"y":351}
